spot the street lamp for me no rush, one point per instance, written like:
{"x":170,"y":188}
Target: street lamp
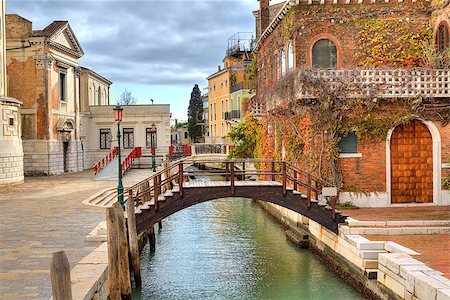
{"x":153,"y":135}
{"x":118,"y":114}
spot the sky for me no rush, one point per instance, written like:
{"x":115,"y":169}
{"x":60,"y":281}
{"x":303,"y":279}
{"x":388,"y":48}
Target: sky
{"x":155,"y":49}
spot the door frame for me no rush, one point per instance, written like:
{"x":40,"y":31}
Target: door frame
{"x":436,"y":146}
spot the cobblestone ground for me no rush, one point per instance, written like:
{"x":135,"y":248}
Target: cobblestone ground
{"x":41,"y":216}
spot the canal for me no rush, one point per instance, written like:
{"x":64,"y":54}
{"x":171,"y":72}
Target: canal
{"x":230,"y":249}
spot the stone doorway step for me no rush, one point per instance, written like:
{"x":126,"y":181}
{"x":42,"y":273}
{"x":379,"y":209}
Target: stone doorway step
{"x":396,"y":227}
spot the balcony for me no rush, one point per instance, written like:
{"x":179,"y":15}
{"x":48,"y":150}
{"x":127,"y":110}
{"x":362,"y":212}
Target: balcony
{"x":370,"y":83}
{"x":247,"y":85}
{"x":227,"y":116}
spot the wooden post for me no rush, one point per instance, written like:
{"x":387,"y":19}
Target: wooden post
{"x":180,"y":178}
{"x":308,"y":191}
{"x":227,"y":171}
{"x":155,"y":191}
{"x":152,"y":239}
{"x":333,"y":208}
{"x":124,"y":265}
{"x":284,"y":178}
{"x":60,"y":275}
{"x":232,"y":178}
{"x":295,"y":180}
{"x":273,"y":170}
{"x":160,"y":224}
{"x":133,"y":239}
{"x":113,"y":254}
{"x":243,"y":171}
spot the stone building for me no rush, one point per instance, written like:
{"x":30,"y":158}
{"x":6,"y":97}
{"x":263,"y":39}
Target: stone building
{"x":94,"y":89}
{"x":11,"y":151}
{"x":43,"y":71}
{"x":374,"y":51}
{"x":100,"y":130}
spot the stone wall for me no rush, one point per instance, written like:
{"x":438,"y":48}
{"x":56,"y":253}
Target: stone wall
{"x":43,"y":157}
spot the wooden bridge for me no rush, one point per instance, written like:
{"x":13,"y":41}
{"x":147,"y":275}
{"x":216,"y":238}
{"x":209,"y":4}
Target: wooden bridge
{"x":278,"y":182}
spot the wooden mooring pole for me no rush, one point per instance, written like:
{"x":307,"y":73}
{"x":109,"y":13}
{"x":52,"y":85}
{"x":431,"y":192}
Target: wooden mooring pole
{"x":124,"y":265}
{"x":113,"y":254}
{"x":60,"y":276}
{"x":133,"y":241}
{"x":152,"y":239}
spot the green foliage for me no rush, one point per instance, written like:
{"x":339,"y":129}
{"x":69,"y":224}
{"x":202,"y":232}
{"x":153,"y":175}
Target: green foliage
{"x":246,"y":136}
{"x":195,"y":114}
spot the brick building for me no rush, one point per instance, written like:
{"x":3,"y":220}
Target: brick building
{"x":377,"y":47}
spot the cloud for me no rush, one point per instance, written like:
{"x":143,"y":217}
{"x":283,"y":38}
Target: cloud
{"x":147,"y":42}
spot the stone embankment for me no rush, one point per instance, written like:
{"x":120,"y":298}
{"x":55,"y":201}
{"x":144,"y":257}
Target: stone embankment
{"x":377,"y":269}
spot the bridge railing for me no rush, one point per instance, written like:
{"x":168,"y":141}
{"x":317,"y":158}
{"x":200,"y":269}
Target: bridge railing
{"x":290,"y":177}
{"x":106,"y":160}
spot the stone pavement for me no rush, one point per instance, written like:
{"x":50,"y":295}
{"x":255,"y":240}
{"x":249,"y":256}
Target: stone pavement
{"x":400,"y":213}
{"x":41,"y":216}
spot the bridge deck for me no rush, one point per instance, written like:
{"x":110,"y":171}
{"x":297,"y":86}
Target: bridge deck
{"x":199,"y":184}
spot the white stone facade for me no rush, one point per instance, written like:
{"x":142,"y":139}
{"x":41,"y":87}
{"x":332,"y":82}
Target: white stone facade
{"x":11,"y":151}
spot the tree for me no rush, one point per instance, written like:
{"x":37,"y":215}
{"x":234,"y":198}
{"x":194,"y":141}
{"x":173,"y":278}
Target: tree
{"x":126,"y":98}
{"x":195,"y":114}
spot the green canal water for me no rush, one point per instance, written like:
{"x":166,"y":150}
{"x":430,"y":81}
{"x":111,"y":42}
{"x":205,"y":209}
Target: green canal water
{"x":230,"y":249}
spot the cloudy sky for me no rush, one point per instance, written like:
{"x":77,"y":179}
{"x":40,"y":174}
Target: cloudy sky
{"x":156,"y":49}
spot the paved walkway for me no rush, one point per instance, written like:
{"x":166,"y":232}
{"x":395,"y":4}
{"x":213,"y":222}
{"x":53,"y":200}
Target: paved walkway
{"x":434,"y":248}
{"x":41,"y":216}
{"x":400,"y":213}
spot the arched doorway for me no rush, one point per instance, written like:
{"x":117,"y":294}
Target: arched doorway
{"x":411,"y":149}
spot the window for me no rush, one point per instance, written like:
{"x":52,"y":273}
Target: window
{"x":283,"y":62}
{"x":99,"y":97}
{"x":11,"y":121}
{"x":226,"y":83}
{"x":105,"y":138}
{"x":186,"y":136}
{"x":290,"y":56}
{"x":214,"y":88}
{"x":148,"y":138}
{"x":324,"y":54}
{"x":348,"y":143}
{"x":62,"y":85}
{"x":215,"y":112}
{"x":442,"y":37}
{"x":128,"y":138}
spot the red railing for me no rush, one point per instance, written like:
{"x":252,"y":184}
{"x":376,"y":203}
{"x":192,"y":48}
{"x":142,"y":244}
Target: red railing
{"x":128,"y":161}
{"x":106,"y":160}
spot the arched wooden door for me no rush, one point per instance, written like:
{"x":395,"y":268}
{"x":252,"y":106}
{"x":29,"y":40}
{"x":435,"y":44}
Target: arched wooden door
{"x":411,"y":164}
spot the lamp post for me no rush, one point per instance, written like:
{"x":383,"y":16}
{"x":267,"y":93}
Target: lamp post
{"x":118,"y":114}
{"x":153,"y":134}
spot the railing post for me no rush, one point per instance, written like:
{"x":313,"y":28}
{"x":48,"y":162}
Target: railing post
{"x":333,"y":208}
{"x":227,"y":171}
{"x":308,"y":191}
{"x":232,"y":177}
{"x":243,"y":170}
{"x":295,"y":180}
{"x":155,"y":191}
{"x":180,"y":178}
{"x":284,"y":178}
{"x":273,"y":170}
{"x":133,"y":238}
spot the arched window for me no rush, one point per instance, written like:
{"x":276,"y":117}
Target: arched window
{"x":442,"y":37}
{"x":324,"y":54}
{"x":275,"y":67}
{"x":283,"y":62}
{"x":290,"y":56}
{"x":99,"y":96}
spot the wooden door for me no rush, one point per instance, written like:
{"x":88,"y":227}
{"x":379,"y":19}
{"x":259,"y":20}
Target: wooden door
{"x":411,"y":164}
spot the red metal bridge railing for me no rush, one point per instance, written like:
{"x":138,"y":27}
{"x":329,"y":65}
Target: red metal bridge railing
{"x":106,"y":160}
{"x":128,"y":161}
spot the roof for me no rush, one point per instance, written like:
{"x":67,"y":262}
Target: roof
{"x":95,"y":74}
{"x":51,"y":29}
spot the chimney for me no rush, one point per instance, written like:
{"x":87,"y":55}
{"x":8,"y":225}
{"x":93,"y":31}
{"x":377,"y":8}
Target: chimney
{"x":218,"y":68}
{"x":264,"y":15}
